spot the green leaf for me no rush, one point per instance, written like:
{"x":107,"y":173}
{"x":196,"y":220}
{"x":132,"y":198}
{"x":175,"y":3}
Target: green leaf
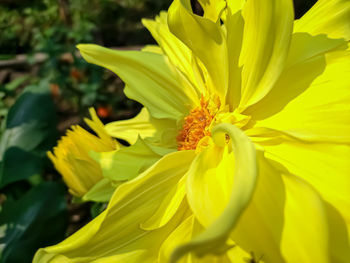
{"x":30,"y":131}
{"x":7,"y":56}
{"x":18,"y":164}
{"x":38,"y":219}
{"x":35,"y":103}
{"x":97,"y":208}
{"x":16,"y":83}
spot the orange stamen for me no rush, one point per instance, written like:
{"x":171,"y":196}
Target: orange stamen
{"x":196,"y":125}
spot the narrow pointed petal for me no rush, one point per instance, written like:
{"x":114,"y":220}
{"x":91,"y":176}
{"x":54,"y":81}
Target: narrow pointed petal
{"x":143,"y":125}
{"x":193,"y":31}
{"x":177,"y":52}
{"x":219,"y":221}
{"x":234,"y":27}
{"x":116,"y":232}
{"x":148,"y":77}
{"x":106,"y":143}
{"x":267,"y":33}
{"x":330,"y":17}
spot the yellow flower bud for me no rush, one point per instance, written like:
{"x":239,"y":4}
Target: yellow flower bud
{"x":71,"y":156}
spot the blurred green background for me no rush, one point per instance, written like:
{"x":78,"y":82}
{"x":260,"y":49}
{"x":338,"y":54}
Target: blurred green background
{"x":45,"y":87}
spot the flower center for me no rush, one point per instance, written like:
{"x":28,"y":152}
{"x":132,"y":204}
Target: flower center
{"x":197,"y":124}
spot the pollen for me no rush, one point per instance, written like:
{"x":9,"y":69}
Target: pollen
{"x":197,"y":124}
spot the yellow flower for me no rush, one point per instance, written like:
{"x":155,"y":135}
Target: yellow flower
{"x":72,"y":159}
{"x":243,"y":141}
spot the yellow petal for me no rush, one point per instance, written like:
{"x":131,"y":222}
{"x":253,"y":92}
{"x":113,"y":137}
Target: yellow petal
{"x":286,"y":220}
{"x":149,"y":79}
{"x":117,"y":230}
{"x":235,"y":6}
{"x":305,"y":46}
{"x":78,"y":174}
{"x":130,"y":257}
{"x":330,"y":17}
{"x":267,"y":33}
{"x":218,"y":223}
{"x":183,"y":233}
{"x":212,"y":8}
{"x":153,"y":49}
{"x":305,"y":62}
{"x":234,"y":26}
{"x":222,"y":257}
{"x":188,"y":229}
{"x":305,"y":231}
{"x":142,"y":125}
{"x":339,"y":240}
{"x":102,"y":191}
{"x":71,"y":156}
{"x":238,"y":255}
{"x":127,"y":162}
{"x":260,"y":227}
{"x":167,"y":208}
{"x":210,"y":183}
{"x":326,"y":167}
{"x":106,"y":143}
{"x":319,"y":108}
{"x":177,"y":52}
{"x":129,"y":130}
{"x":194,"y":31}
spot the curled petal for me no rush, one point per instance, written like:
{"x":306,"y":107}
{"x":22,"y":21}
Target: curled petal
{"x":199,"y":192}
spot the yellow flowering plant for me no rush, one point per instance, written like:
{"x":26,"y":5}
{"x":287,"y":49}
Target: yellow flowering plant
{"x":72,"y":157}
{"x":241,"y":152}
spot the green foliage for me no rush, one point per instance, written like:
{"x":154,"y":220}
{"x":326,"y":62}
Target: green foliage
{"x":33,"y":114}
{"x":27,"y":26}
{"x":29,"y":130}
{"x":55,"y":27}
{"x":37,"y":219}
{"x":97,"y":208}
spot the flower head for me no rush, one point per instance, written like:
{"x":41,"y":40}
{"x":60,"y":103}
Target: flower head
{"x":71,"y":156}
{"x":242,"y":147}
